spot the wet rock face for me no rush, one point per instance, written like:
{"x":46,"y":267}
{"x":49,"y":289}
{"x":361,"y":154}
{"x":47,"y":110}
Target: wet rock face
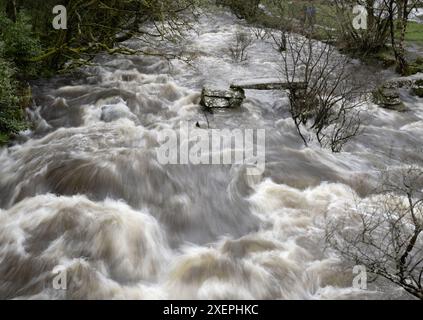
{"x":388,"y":96}
{"x":231,"y":98}
{"x":389,"y":99}
{"x":417,"y":88}
{"x":414,"y":83}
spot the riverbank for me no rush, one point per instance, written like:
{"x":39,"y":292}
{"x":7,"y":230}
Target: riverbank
{"x":323,"y":23}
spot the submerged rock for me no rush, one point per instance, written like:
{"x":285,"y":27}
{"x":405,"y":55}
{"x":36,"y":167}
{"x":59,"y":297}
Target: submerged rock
{"x":111,"y":113}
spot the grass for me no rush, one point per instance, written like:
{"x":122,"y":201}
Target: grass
{"x":324,"y":20}
{"x":327,"y":21}
{"x":386,"y":56}
{"x":414,"y":32}
{"x":326,"y":15}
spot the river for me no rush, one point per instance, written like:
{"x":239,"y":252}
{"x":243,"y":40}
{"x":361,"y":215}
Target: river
{"x":84,"y":190}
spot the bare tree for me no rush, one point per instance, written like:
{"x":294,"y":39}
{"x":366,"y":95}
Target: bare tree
{"x":241,"y":42}
{"x":386,"y":19}
{"x":384,"y":233}
{"x":104,"y":26}
{"x":243,"y":9}
{"x":279,"y":38}
{"x":283,"y":23}
{"x":368,"y":40}
{"x":259,"y":32}
{"x":325,"y":97}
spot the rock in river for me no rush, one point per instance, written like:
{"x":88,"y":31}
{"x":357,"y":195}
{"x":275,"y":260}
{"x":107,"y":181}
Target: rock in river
{"x":231,"y":98}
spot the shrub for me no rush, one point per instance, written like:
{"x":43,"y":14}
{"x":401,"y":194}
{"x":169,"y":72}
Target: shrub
{"x":19,"y":44}
{"x":11,"y":114}
{"x":241,"y":42}
{"x":326,"y":98}
{"x":243,"y":9}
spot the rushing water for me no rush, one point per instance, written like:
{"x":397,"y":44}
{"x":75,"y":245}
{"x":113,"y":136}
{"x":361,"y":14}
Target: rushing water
{"x":84,"y":189}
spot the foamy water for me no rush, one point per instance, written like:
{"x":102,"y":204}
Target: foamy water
{"x":85,"y":190}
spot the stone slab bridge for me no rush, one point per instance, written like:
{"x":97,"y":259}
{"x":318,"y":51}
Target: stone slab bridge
{"x":233,"y":98}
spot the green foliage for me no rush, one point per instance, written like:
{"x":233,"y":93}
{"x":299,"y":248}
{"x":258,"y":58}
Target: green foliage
{"x":19,"y":44}
{"x":7,"y":84}
{"x":30,"y":46}
{"x":414,"y":67}
{"x":3,"y":138}
{"x":101,"y":25}
{"x":243,"y":9}
{"x":385,"y":56}
{"x":11,"y":114}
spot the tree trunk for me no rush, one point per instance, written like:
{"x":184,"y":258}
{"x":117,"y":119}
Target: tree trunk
{"x":398,"y":44}
{"x":370,"y":14}
{"x":400,"y":17}
{"x":404,"y":21}
{"x":11,"y":10}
